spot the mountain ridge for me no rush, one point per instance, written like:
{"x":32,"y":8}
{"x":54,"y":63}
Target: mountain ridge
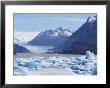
{"x":20,"y":49}
{"x":51,"y":37}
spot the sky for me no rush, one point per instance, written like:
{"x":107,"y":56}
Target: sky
{"x":37,"y":22}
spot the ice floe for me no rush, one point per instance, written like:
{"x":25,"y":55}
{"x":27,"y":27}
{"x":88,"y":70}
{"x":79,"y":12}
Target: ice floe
{"x":83,"y":65}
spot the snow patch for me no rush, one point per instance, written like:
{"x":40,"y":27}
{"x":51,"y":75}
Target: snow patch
{"x":67,"y":33}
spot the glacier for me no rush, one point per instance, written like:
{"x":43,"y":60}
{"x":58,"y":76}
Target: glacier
{"x":83,"y":65}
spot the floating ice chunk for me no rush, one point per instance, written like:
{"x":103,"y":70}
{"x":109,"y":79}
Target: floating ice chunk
{"x":90,"y":55}
{"x":31,"y":65}
{"x":46,"y":63}
{"x":19,"y":71}
{"x":21,"y":60}
{"x":94,"y":70}
{"x":80,"y":61}
{"x":74,"y":67}
{"x":37,"y":61}
{"x":72,"y":59}
{"x":15,"y":66}
{"x":38,"y":57}
{"x":85,"y":64}
{"x":21,"y":63}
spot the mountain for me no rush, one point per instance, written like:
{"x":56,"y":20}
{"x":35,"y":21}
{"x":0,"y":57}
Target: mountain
{"x":51,"y":37}
{"x":82,"y":40}
{"x":20,"y":49}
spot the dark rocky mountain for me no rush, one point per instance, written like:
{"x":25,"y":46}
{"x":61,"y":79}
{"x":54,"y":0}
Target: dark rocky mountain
{"x":51,"y":37}
{"x":82,"y":40}
{"x":20,"y":49}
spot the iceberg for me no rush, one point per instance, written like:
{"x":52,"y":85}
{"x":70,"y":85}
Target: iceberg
{"x":90,"y":55}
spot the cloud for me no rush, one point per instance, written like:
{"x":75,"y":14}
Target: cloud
{"x":74,"y":20}
{"x":24,"y":36}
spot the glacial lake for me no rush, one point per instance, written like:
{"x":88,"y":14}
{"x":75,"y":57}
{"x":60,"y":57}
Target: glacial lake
{"x":41,"y":51}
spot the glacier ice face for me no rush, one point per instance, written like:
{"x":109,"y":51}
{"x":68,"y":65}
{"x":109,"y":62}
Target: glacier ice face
{"x":83,"y":65}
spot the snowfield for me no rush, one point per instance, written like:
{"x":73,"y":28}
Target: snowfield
{"x":56,"y":65}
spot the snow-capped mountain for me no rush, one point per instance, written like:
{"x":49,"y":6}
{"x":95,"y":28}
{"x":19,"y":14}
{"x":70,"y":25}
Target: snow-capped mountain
{"x":82,"y":40}
{"x":22,"y":37}
{"x":61,"y":32}
{"x":56,"y":33}
{"x":51,"y":37}
{"x":92,"y":19}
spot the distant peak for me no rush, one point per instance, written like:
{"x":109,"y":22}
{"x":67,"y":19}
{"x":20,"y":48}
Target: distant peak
{"x":49,"y":30}
{"x":92,"y":19}
{"x":59,"y":29}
